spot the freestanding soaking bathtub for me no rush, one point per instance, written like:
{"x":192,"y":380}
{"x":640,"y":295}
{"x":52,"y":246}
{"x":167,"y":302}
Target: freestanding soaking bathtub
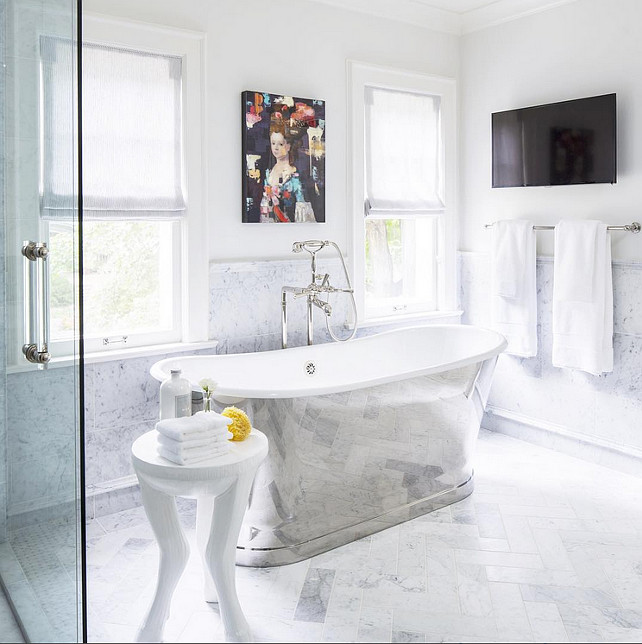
{"x":363,"y":435}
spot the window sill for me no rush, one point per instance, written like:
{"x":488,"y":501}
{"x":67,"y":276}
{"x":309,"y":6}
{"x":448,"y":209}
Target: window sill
{"x":434,"y":317}
{"x":120,"y":354}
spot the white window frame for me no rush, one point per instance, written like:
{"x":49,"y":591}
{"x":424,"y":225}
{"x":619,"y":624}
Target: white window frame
{"x":359,"y":76}
{"x":191,"y":309}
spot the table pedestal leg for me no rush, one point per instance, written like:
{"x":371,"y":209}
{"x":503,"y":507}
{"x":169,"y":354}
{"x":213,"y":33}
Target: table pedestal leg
{"x":174,"y":553}
{"x":220,"y":554}
{"x":204,"y":513}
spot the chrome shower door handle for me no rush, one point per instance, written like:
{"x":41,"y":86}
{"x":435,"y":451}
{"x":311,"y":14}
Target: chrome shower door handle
{"x":36,"y":303}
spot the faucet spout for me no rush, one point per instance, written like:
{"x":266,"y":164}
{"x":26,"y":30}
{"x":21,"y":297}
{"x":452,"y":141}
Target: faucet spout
{"x":297,"y":290}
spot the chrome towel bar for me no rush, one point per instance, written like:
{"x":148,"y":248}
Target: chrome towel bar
{"x":632,"y":228}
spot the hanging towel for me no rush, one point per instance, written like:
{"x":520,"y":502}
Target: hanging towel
{"x":583,"y":297}
{"x":200,"y":426}
{"x":513,"y":285}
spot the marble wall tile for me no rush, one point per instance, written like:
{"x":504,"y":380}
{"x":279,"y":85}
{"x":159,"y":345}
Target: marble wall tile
{"x":108,"y":451}
{"x":605,"y":407}
{"x":121,"y":403}
{"x":32,"y":395}
{"x":627,"y":298}
{"x":245,"y":303}
{"x":41,"y":454}
{"x":89,"y":397}
{"x":122,"y":396}
{"x":626,"y":377}
{"x":40,"y":482}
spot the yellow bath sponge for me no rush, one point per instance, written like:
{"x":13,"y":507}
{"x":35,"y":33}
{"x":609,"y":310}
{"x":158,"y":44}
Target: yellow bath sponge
{"x":241,"y":426}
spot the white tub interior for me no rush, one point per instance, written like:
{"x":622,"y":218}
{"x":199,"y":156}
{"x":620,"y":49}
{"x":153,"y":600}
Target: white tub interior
{"x":389,"y":356}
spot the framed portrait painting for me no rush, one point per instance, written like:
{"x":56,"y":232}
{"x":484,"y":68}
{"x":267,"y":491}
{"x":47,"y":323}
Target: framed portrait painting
{"x":283,"y":159}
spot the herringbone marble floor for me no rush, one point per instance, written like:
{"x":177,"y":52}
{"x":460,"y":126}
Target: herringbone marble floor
{"x":548,"y":548}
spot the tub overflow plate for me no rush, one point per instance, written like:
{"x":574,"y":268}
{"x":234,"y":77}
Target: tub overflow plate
{"x":310,"y":368}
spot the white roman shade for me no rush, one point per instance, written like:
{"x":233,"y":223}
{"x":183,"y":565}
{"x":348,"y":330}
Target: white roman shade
{"x":131,"y":117}
{"x":403,"y":158}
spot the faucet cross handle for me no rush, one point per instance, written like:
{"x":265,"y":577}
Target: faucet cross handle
{"x":325,"y":279}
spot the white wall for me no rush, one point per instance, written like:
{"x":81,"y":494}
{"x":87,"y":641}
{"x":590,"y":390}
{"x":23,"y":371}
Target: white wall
{"x":584,"y":48}
{"x":292,"y":47}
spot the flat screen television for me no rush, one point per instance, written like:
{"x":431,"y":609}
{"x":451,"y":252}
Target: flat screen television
{"x":564,"y":143}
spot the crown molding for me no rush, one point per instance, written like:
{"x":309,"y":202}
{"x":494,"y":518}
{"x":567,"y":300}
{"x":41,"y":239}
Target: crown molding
{"x":421,"y":14}
{"x":411,"y":11}
{"x":502,"y":11}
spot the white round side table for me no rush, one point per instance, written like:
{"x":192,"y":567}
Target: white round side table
{"x":226,"y":479}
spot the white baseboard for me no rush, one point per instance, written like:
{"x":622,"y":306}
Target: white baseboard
{"x":559,"y":438}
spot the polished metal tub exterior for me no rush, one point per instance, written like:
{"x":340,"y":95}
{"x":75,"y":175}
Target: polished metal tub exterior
{"x":351,"y":462}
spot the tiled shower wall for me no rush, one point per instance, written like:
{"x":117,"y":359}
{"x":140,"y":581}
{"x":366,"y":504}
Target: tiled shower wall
{"x":597,"y":417}
{"x":32,"y":445}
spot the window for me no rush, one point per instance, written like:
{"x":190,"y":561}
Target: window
{"x":143,"y":220}
{"x":403,"y":191}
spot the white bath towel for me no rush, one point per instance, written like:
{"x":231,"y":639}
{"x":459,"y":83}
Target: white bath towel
{"x":201,"y":425}
{"x":513,"y":285}
{"x":217,"y":438}
{"x":189,"y":459}
{"x":583,"y":297}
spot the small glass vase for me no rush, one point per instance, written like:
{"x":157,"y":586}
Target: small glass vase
{"x":208,"y":402}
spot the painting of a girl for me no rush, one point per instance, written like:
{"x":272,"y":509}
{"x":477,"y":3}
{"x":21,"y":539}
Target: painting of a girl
{"x":283,"y":159}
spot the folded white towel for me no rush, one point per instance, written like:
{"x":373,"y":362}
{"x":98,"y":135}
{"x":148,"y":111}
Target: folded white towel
{"x":191,"y":458}
{"x":583,"y":297}
{"x":197,"y":427}
{"x":513,"y":285}
{"x":192,"y":447}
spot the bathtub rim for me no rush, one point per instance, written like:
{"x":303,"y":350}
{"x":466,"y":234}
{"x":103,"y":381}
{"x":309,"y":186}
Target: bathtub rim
{"x":229,"y":394}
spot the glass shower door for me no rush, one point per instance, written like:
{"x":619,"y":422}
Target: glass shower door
{"x":41,"y":473}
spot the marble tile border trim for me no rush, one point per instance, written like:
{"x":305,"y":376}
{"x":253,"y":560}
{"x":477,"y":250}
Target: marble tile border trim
{"x":558,"y":438}
{"x":51,"y":512}
{"x":113,"y":496}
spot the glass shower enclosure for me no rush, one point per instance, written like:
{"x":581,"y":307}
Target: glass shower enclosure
{"x":41,"y":402}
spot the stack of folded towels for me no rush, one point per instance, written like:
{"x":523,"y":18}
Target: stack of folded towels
{"x":192,"y":439}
